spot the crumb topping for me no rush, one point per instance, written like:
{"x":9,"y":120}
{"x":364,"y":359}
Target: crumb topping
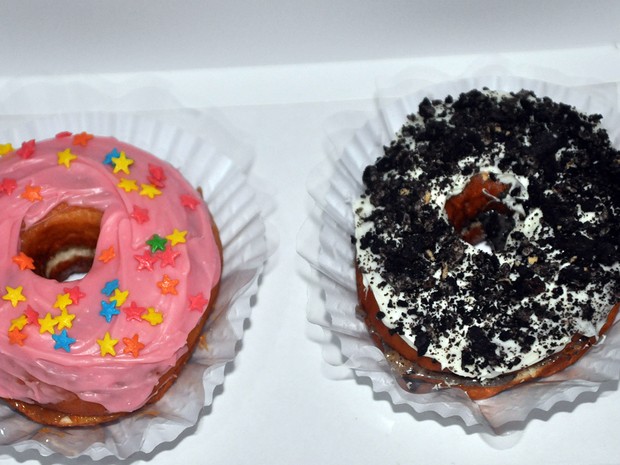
{"x":548,"y":270}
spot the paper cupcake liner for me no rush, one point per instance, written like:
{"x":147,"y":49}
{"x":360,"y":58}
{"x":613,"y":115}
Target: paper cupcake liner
{"x":239,"y":212}
{"x":347,"y":345}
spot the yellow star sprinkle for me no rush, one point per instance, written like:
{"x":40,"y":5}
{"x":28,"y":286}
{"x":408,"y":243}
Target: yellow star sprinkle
{"x":47,"y":324}
{"x":65,"y":320}
{"x":14,"y":295}
{"x":5,"y":148}
{"x":150,"y":191}
{"x":122,"y":163}
{"x":107,"y":345}
{"x":19,"y":323}
{"x":153,"y":316}
{"x":128,"y":185}
{"x":62,"y":300}
{"x":119,"y":297}
{"x":177,"y":237}
{"x":66,"y":157}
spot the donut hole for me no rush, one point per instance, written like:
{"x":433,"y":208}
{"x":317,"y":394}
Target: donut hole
{"x":62,"y":244}
{"x":478,"y":213}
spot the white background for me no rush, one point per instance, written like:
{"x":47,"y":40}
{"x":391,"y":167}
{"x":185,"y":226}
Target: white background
{"x":276,"y":73}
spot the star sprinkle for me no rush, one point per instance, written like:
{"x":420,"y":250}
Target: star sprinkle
{"x":198,"y":302}
{"x":109,"y":287}
{"x":119,"y":297}
{"x":153,"y":316}
{"x":74,"y":294}
{"x":134,"y":312}
{"x":32,"y":315}
{"x":107,"y":254}
{"x":189,"y":202}
{"x":156,"y":176}
{"x":132,"y":345}
{"x":82,"y":139}
{"x":168,"y":285}
{"x":108,"y":310}
{"x":32,"y":193}
{"x":146,"y":261}
{"x":17,"y":337}
{"x":107,"y":345}
{"x":62,"y":300}
{"x":114,"y":153}
{"x":177,"y":237}
{"x":19,"y":322}
{"x":14,"y":295}
{"x":8,"y":185}
{"x":47,"y":324}
{"x":23,"y":261}
{"x":27,"y":149}
{"x":63,"y":341}
{"x":66,"y":157}
{"x":157,"y":243}
{"x":168,"y":257}
{"x":122,"y":163}
{"x":5,"y":148}
{"x":65,"y":320}
{"x":63,"y":134}
{"x":128,"y":185}
{"x":150,"y":191}
{"x":141,"y":215}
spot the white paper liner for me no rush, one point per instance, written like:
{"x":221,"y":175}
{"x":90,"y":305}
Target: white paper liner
{"x":239,"y":212}
{"x":347,"y":348}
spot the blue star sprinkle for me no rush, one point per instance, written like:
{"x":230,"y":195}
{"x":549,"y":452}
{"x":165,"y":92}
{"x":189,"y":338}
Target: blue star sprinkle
{"x":108,"y":310}
{"x":108,"y":157}
{"x":63,"y":341}
{"x":109,"y":287}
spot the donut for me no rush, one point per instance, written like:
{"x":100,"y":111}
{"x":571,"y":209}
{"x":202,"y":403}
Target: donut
{"x":110,"y":267}
{"x":487,"y":242}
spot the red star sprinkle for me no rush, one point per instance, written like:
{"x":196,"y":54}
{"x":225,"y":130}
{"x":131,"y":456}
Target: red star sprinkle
{"x":198,"y":302}
{"x":146,"y":261}
{"x":133,"y":312}
{"x":141,"y":215}
{"x":75,"y":294}
{"x":107,"y":255}
{"x":82,"y":139}
{"x":168,"y":257}
{"x":168,"y":285}
{"x":8,"y":185}
{"x":27,"y":149}
{"x":32,"y":193}
{"x":189,"y":201}
{"x":32,"y":315}
{"x":23,"y":261}
{"x":62,"y":134}
{"x":132,"y":345}
{"x":17,"y":337}
{"x":157,"y":177}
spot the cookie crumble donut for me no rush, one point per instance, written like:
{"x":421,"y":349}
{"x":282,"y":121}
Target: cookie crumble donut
{"x":487,"y":242}
{"x":110,"y":268}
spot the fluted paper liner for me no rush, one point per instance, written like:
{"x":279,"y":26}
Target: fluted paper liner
{"x":347,"y":345}
{"x":236,"y":210}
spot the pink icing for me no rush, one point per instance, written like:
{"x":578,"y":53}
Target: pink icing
{"x":31,"y":369}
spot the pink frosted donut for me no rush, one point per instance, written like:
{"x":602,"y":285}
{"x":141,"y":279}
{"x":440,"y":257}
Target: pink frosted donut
{"x":83,"y":349}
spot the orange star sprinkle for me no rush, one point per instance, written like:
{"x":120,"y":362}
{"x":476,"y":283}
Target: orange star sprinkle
{"x":17,"y":337}
{"x":32,"y":193}
{"x":107,"y":255}
{"x":82,"y":139}
{"x":168,"y":285}
{"x":132,"y":345}
{"x":23,"y":261}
